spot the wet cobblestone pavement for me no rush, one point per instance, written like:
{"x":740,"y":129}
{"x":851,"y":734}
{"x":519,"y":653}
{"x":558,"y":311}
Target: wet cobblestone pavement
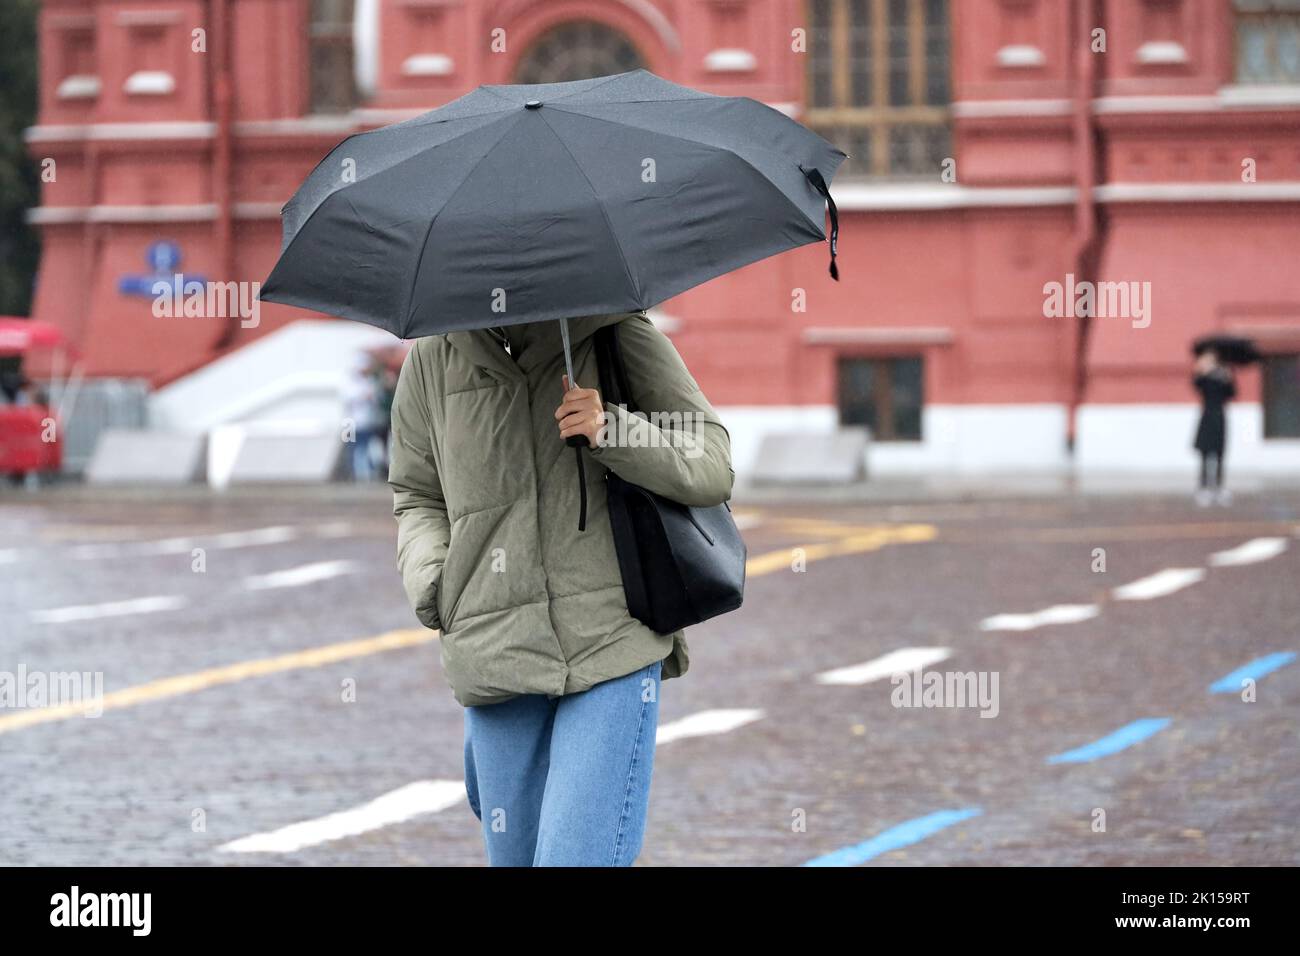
{"x":246,"y":693}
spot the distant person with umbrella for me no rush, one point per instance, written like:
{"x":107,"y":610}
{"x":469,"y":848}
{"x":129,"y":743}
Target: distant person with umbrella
{"x":503,"y":231}
{"x":1212,"y":377}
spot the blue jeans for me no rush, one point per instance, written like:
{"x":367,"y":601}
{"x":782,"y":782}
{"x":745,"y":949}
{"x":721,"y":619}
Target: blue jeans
{"x":565,"y":781}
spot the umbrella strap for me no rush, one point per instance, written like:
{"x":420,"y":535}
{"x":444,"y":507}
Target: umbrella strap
{"x":582,"y":490}
{"x":819,"y":183}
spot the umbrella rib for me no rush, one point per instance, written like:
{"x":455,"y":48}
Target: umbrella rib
{"x":410,"y":296}
{"x":387,"y":129}
{"x":303,"y":228}
{"x":412,"y":124}
{"x":600,"y":204}
{"x":727,"y":149}
{"x":500,"y":96}
{"x":617,"y":76}
{"x":588,"y":89}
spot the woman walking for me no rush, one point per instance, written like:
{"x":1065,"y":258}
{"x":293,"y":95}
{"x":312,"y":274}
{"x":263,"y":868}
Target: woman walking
{"x":560,"y":684}
{"x":1214,"y":380}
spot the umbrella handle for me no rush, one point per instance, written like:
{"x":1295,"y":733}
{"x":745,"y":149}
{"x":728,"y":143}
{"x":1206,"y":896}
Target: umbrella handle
{"x":573,"y":441}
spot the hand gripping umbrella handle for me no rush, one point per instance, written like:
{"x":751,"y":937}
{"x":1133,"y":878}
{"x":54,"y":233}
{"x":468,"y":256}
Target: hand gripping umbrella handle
{"x":576,"y":442}
{"x":573,"y":441}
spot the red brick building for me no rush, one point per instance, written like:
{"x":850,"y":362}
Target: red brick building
{"x":998,"y":147}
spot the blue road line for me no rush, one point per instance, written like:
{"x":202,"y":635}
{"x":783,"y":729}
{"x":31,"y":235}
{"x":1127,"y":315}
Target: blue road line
{"x":1259,"y":667}
{"x":1114,"y":742}
{"x":904,"y":834}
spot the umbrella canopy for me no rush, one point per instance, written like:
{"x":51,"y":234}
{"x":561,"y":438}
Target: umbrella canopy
{"x":1232,"y":349}
{"x":523,"y":203}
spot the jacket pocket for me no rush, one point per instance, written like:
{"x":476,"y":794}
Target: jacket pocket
{"x":445,"y":583}
{"x":444,"y":624}
{"x":426,"y":611}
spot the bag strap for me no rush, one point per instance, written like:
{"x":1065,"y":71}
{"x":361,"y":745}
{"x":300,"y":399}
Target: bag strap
{"x":604,"y":362}
{"x":629,"y":558}
{"x":614,"y":386}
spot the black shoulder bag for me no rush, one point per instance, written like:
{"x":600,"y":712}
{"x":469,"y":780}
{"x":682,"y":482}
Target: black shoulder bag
{"x":680,"y":564}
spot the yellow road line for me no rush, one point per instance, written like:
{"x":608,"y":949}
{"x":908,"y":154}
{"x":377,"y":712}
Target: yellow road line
{"x":200,"y":680}
{"x":872,"y":540}
{"x":866,"y":539}
{"x":817,"y":527}
{"x":1153,"y":532}
{"x":1207,"y":529}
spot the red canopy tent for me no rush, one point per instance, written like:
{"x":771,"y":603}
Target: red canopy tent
{"x":19,"y":335}
{"x":29,"y":440}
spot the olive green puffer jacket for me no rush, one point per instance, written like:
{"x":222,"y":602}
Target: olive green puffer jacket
{"x":486,"y":497}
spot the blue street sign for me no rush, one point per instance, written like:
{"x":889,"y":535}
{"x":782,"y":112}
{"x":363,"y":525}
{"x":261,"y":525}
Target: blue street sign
{"x":163,"y":257}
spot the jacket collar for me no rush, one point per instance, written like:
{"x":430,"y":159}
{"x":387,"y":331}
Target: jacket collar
{"x":543,"y":343}
{"x":479,"y":347}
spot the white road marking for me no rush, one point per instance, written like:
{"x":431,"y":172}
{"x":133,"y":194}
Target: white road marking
{"x":903,"y":661}
{"x":223,"y":541}
{"x":706,"y":722}
{"x":1252,"y":552}
{"x":1056,"y":614}
{"x":334,"y":529}
{"x":91,"y":612}
{"x":296,"y":577}
{"x":397,"y":806}
{"x":257,"y":536}
{"x":431,"y":796}
{"x":121,"y":548}
{"x":1159,"y":584}
{"x":83,"y":551}
{"x":169,"y":546}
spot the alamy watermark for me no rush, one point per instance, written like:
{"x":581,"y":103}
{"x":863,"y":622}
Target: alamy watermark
{"x":654,"y":429}
{"x":921,"y":688}
{"x":127,"y":910}
{"x":178,"y":297}
{"x":1102,"y":300}
{"x":24,"y":689}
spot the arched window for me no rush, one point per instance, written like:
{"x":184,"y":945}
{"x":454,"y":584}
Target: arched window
{"x":576,"y":51}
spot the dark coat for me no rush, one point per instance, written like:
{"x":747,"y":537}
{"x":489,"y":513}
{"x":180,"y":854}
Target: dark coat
{"x":1215,"y":388}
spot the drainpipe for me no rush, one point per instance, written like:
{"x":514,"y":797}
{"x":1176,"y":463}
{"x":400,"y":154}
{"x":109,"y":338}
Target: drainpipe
{"x":222,"y":157}
{"x":1085,"y":254}
{"x":92,"y":237}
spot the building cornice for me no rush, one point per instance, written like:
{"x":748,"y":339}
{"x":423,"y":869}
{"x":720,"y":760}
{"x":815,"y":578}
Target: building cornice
{"x":1198,"y":192}
{"x":1235,"y":98}
{"x":853,"y":197}
{"x":921,"y":197}
{"x":916,"y":335}
{"x":864,"y":196}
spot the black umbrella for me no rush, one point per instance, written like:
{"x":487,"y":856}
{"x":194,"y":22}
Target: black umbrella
{"x":523,"y":203}
{"x":1232,"y":349}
